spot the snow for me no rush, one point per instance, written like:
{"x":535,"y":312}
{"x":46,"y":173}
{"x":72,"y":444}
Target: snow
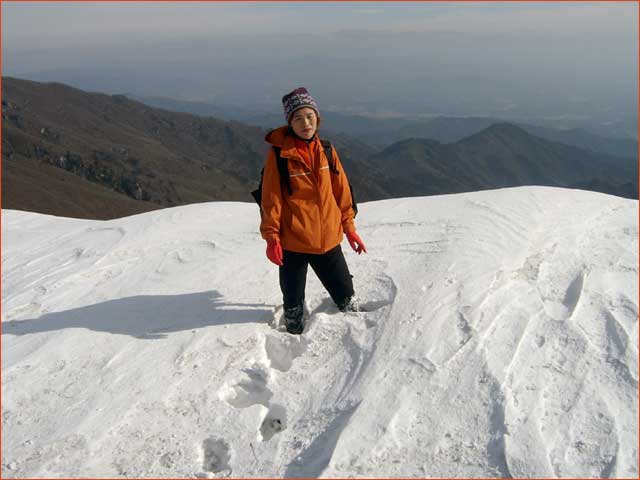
{"x":502,"y":340}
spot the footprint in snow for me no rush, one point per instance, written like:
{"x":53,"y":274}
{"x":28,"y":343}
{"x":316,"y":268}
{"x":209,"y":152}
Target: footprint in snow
{"x":379,"y":292}
{"x":281,"y":350}
{"x":250,"y":389}
{"x":275,"y":421}
{"x":216,"y":456}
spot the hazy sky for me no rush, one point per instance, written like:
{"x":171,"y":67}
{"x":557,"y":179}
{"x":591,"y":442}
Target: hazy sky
{"x":67,"y":22}
{"x":551,"y":58}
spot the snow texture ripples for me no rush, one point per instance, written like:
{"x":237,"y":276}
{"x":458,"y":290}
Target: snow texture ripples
{"x":499,"y":339}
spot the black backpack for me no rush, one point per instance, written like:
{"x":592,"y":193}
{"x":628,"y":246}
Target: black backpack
{"x":283,"y":170}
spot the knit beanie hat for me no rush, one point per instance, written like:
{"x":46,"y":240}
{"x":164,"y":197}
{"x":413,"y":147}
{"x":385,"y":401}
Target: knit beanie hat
{"x":297,"y":99}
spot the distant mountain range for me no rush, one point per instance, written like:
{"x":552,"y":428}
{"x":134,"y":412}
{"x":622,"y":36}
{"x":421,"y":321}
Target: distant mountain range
{"x":56,"y":138}
{"x":503,"y":155}
{"x":156,"y":157}
{"x":72,"y":153}
{"x":381,"y":133}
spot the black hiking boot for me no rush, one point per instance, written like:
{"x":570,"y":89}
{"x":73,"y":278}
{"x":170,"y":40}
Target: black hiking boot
{"x":349,"y":304}
{"x":293,"y":320}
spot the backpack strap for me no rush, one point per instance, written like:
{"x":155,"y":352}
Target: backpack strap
{"x":328,"y":151}
{"x":285,"y":181}
{"x":283,"y":170}
{"x":326,"y":145}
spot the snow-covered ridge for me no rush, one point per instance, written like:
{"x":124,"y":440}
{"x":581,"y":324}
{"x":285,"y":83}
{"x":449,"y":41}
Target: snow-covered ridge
{"x":502,"y":341}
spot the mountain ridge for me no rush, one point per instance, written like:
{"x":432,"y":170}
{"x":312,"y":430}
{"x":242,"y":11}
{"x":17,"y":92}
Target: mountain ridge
{"x":161,"y":158}
{"x":380,"y":133}
{"x":503,"y":155}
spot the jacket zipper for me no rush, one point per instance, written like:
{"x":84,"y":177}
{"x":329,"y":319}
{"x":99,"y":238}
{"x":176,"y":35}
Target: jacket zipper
{"x":316,"y":180}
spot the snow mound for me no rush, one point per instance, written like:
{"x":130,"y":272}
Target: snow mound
{"x":500,"y":339}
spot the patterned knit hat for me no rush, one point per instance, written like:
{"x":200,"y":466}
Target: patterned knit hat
{"x":297,"y":99}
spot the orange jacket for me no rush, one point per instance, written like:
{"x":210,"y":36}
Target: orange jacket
{"x":313,"y":218}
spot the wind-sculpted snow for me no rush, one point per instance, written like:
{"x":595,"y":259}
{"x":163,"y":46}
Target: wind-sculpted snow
{"x":499,"y":338}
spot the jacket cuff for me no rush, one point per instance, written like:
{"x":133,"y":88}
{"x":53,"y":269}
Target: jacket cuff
{"x":271,"y":238}
{"x":349,"y":227}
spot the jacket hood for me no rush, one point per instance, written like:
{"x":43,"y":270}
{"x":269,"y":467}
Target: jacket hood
{"x":280,"y":136}
{"x":285,"y":139}
{"x":277,"y":136}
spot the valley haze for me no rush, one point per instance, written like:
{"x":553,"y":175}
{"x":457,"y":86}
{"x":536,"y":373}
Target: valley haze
{"x":73,"y":153}
{"x":556,"y":64}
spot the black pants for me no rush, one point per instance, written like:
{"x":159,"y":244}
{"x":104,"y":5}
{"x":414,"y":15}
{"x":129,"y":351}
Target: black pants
{"x":330,"y":267}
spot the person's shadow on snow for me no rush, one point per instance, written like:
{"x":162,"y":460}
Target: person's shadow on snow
{"x":147,"y":317}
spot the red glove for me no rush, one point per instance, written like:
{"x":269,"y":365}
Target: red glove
{"x":356,"y":243}
{"x":274,"y":251}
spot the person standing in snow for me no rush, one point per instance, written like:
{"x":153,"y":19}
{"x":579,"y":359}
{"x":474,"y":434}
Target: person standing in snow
{"x":303,"y":225}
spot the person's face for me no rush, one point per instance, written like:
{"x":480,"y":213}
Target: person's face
{"x":304,"y":122}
